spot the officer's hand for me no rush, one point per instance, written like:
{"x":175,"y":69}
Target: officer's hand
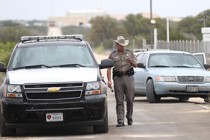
{"x":110,"y":84}
{"x":129,"y":60}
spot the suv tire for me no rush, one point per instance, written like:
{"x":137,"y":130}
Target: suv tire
{"x":102,"y":128}
{"x":6,"y":131}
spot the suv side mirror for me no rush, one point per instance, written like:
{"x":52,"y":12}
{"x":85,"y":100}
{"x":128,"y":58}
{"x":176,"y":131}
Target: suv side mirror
{"x":140,"y":65}
{"x":2,"y":68}
{"x":206,"y":66}
{"x":106,"y":63}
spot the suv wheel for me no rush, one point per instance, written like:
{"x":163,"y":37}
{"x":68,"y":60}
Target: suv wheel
{"x":6,"y":131}
{"x":102,"y":128}
{"x":150,"y":92}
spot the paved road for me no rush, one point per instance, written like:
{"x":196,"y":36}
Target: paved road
{"x":168,"y":120}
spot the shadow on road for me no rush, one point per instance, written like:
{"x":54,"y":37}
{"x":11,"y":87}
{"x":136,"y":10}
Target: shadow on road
{"x":67,"y":131}
{"x":170,"y":100}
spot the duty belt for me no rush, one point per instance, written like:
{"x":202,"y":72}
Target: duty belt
{"x":129,"y":72}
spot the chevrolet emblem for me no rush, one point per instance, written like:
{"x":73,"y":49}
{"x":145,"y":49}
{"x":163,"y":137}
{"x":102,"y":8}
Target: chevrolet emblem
{"x":53,"y":89}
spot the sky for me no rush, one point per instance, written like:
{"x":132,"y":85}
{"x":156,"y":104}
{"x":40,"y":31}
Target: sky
{"x":42,"y":9}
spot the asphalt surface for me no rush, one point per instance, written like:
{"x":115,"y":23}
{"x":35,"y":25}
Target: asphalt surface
{"x":167,"y":120}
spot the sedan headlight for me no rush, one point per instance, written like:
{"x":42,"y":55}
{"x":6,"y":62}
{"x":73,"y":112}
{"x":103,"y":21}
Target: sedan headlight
{"x":165,"y":79}
{"x":207,"y":80}
{"x":93,"y":88}
{"x":13,"y":91}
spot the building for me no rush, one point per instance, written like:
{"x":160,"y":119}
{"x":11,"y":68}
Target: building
{"x":76,"y":18}
{"x":82,"y":18}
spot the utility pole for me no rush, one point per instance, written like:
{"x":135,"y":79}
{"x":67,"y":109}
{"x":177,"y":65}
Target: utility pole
{"x":151,"y":30}
{"x":204,"y":21}
{"x":168,"y":33}
{"x":167,"y":24}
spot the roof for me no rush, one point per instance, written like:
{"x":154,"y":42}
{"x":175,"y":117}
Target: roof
{"x":161,"y":51}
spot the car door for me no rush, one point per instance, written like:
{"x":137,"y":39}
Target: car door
{"x":140,"y":75}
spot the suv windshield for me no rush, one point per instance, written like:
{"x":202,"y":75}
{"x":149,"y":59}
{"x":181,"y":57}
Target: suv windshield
{"x":173,"y":60}
{"x":56,"y":55}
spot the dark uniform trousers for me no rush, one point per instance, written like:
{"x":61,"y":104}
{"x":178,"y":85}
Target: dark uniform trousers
{"x":124,"y":87}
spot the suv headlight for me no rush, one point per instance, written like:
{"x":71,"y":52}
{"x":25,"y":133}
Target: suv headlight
{"x":13,"y":91}
{"x":93,"y":88}
{"x":207,"y":79}
{"x":165,"y":79}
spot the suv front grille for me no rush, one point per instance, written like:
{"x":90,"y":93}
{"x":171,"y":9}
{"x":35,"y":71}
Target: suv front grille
{"x":63,"y":91}
{"x":190,"y":79}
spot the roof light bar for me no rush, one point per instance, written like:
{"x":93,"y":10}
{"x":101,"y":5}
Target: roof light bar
{"x":37,"y":38}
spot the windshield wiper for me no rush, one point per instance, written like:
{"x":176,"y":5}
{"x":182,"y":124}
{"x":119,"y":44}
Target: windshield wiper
{"x":70,"y":65}
{"x":182,"y":66}
{"x":32,"y":66}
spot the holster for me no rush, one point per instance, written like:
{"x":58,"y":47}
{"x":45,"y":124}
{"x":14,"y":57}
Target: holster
{"x":129,"y":72}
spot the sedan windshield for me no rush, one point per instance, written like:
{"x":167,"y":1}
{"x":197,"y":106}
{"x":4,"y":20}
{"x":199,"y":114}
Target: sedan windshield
{"x":51,"y":56}
{"x":178,"y":60}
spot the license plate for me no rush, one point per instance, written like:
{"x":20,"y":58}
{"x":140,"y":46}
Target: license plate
{"x":192,"y":89}
{"x":54,"y":117}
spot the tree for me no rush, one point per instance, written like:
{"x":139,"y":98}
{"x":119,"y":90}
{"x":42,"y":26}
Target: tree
{"x":190,"y":27}
{"x":136,"y":25}
{"x":76,"y":30}
{"x":104,"y":30}
{"x":11,"y":31}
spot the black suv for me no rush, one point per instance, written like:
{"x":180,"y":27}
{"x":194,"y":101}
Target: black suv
{"x":53,"y":81}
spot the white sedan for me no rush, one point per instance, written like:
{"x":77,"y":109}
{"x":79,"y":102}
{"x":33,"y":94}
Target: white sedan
{"x":166,"y":73}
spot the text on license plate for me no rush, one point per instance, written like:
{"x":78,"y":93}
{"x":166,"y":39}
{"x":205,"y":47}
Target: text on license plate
{"x":192,"y":89}
{"x":54,"y":117}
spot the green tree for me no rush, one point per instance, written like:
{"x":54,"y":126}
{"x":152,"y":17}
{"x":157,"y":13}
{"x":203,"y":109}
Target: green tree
{"x":190,"y":27}
{"x":5,"y":51}
{"x":76,"y":30}
{"x":104,"y":30}
{"x":11,"y":31}
{"x":136,"y":25}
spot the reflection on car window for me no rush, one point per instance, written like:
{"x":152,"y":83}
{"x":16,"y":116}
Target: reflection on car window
{"x":144,"y":59}
{"x":200,"y":58}
{"x":139,"y":57}
{"x":173,"y":60}
{"x":52,"y":55}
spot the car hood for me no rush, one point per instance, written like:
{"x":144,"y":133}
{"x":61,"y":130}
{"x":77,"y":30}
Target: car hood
{"x":180,"y":71}
{"x":50,"y":75}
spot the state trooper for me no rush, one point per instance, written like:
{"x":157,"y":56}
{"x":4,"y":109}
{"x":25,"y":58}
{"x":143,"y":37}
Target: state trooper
{"x":122,"y":74}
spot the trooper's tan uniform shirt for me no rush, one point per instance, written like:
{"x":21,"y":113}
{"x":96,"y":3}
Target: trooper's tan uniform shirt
{"x":124,"y":85}
{"x":120,"y":60}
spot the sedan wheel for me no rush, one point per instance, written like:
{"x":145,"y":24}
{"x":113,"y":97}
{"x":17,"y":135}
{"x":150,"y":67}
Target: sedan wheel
{"x":207,"y":99}
{"x":151,"y":95}
{"x":183,"y":99}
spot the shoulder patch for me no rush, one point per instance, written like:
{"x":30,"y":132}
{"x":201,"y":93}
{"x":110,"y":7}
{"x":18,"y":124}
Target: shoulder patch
{"x":111,"y":54}
{"x":128,"y":50}
{"x":113,"y":51}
